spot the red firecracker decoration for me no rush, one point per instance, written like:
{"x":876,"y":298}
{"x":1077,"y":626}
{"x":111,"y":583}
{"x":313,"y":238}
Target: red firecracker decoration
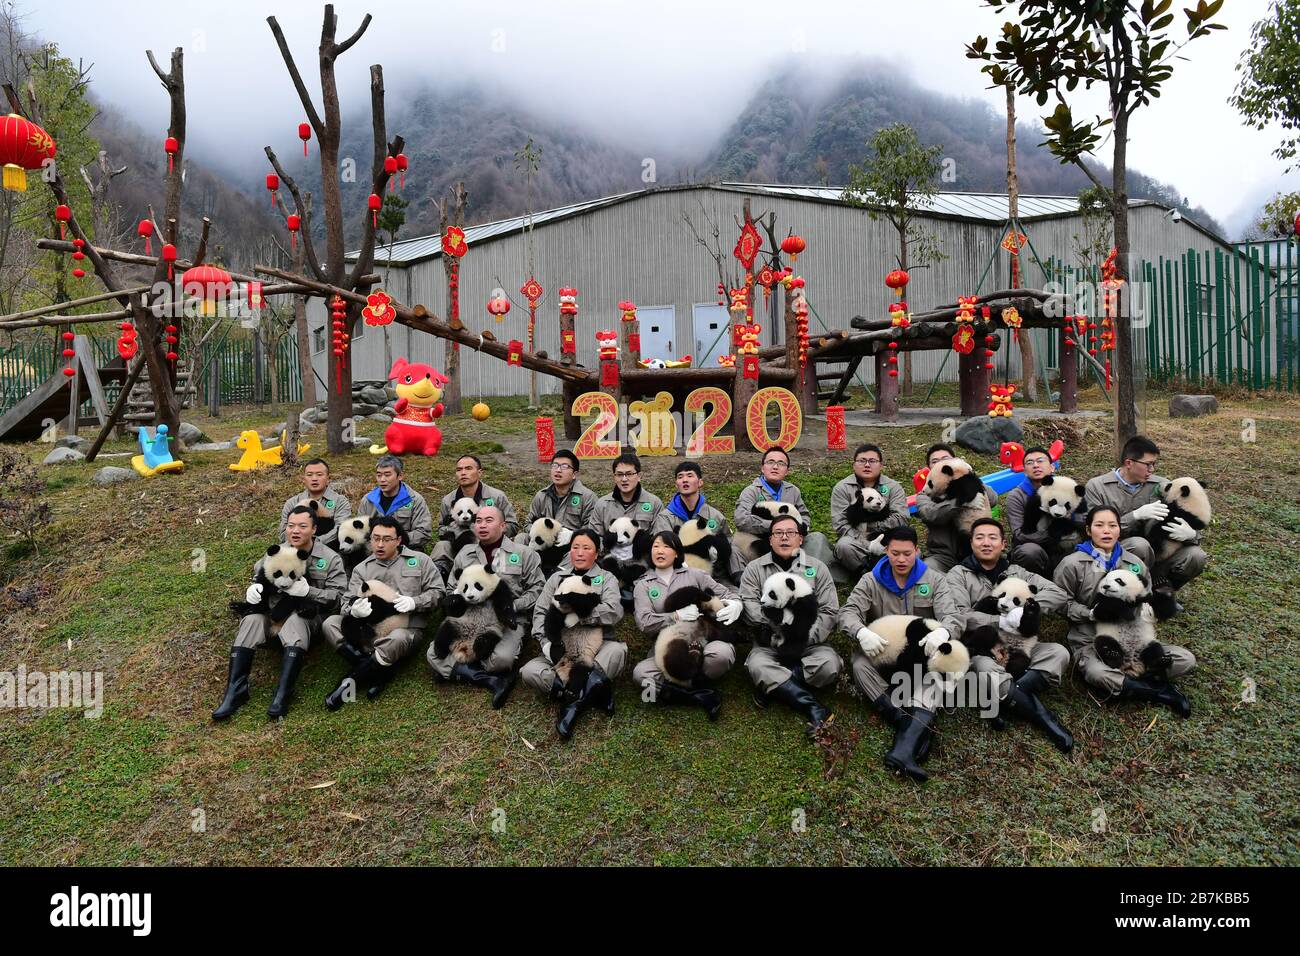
{"x":338,"y":313}
{"x":515,"y":352}
{"x":144,"y":231}
{"x":748,"y":245}
{"x":169,"y":257}
{"x":402,"y":164}
{"x":62,"y":213}
{"x":545,"y":439}
{"x":172,"y":146}
{"x":127,"y":342}
{"x":68,"y":353}
{"x":272,"y":184}
{"x":379,"y":309}
{"x":374,"y":203}
{"x":304,"y":134}
{"x":836,"y":438}
{"x":792,"y":245}
{"x":800,"y":307}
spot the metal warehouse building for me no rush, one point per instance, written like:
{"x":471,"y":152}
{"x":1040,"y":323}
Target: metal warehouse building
{"x":637,"y":246}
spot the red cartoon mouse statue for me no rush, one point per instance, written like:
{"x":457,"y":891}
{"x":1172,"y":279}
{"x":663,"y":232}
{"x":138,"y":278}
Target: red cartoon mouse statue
{"x":412,"y":431}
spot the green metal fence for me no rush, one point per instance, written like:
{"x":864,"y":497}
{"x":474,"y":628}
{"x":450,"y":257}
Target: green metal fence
{"x":1230,"y":316}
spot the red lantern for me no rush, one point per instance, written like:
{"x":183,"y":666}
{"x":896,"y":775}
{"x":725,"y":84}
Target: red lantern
{"x":498,"y":305}
{"x":897,"y":280}
{"x":23,"y":146}
{"x":294,"y":223}
{"x":68,"y":353}
{"x":208,"y":283}
{"x":172,"y":145}
{"x":79,"y":273}
{"x":169,"y":257}
{"x":374,"y":202}
{"x":402,"y":164}
{"x":62,"y":213}
{"x":126,"y":343}
{"x":304,"y":134}
{"x":272,"y":184}
{"x":144,"y":231}
{"x":390,"y":167}
{"x":793,"y":245}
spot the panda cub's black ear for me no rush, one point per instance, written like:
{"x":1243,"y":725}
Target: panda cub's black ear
{"x":947,"y":470}
{"x":303,"y":555}
{"x":272,"y":550}
{"x":1080,"y":491}
{"x":1202,"y":482}
{"x":1049,"y":480}
{"x":1033,"y":589}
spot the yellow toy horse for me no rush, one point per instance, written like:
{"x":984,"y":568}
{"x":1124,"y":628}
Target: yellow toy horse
{"x":255,"y":456}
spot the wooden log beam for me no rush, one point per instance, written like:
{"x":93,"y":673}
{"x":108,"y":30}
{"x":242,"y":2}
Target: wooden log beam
{"x":58,"y":320}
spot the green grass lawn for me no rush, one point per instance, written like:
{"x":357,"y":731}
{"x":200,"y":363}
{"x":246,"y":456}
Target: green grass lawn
{"x":432,"y":775}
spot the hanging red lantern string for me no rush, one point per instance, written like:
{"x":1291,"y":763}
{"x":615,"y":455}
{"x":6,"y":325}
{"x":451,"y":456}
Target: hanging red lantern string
{"x":173,"y":337}
{"x":62,"y":213}
{"x":144,"y":231}
{"x":78,"y":256}
{"x":169,"y":257}
{"x":402,"y":164}
{"x":338,"y":312}
{"x":304,"y":134}
{"x":272,"y":184}
{"x":127,"y":343}
{"x":374,"y":202}
{"x":294,"y":223}
{"x":390,"y":167}
{"x":68,"y":353}
{"x":172,"y":145}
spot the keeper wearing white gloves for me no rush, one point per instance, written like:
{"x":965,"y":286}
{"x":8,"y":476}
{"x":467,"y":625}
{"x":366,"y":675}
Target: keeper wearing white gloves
{"x":372,"y":659}
{"x":321,"y":588}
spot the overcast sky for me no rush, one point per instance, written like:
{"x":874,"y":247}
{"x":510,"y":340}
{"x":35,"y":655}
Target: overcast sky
{"x":667,"y":71}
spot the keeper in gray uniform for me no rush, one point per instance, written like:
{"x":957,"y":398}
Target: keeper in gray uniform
{"x":689,"y":503}
{"x":1078,"y":575}
{"x":323,"y":585}
{"x":667,"y":576}
{"x":1038,"y":552}
{"x":539,"y":673}
{"x":566,"y":498}
{"x":393,"y":498}
{"x":971,"y":583}
{"x":856,"y":546}
{"x":1133,"y":490}
{"x":469,"y":484}
{"x":942,"y":547}
{"x":333,"y":506}
{"x":772,"y":486}
{"x":900,"y":583}
{"x":519,"y":569}
{"x":777,"y":677}
{"x":416,"y":579}
{"x":628,"y":500}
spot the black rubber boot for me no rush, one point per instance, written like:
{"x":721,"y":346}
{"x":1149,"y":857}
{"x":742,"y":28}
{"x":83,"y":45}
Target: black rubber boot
{"x":902,"y":757}
{"x":363,"y":675}
{"x":289,"y":668}
{"x":350,"y":654}
{"x":799,"y":698}
{"x":704,"y":697}
{"x":887,"y":712}
{"x":499,"y":685}
{"x":379,"y":680}
{"x":241,"y":662}
{"x":598,"y":691}
{"x":1024,"y":704}
{"x":1157,"y":692}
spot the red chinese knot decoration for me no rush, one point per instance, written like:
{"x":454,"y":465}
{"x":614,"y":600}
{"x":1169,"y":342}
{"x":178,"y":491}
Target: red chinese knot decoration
{"x":748,"y":245}
{"x":379,"y":309}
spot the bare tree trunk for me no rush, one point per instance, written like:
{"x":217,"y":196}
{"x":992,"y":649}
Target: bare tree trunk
{"x":305,"y":367}
{"x":452,"y":214}
{"x":1126,"y":413}
{"x":1028,"y":374}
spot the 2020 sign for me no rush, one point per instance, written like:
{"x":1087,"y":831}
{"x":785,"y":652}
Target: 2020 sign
{"x":659,"y":426}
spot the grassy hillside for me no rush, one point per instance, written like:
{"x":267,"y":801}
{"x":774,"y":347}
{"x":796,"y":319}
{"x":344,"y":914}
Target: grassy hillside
{"x":417,"y":775}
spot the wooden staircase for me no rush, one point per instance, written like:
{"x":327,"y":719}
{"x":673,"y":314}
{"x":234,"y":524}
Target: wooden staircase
{"x":139,"y":404}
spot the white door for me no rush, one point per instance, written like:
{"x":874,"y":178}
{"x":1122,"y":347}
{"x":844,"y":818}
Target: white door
{"x":658,"y":332}
{"x":712,"y":334}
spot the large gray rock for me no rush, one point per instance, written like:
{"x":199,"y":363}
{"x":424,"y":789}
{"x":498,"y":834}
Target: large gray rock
{"x":213,"y":446}
{"x":374,"y":396}
{"x":73,"y":441}
{"x":1192,"y":406}
{"x":110,"y":475}
{"x":985,"y":434}
{"x":61,"y":456}
{"x":380,"y":417}
{"x":191,"y":434}
{"x":318,"y":414}
{"x":362,"y":409}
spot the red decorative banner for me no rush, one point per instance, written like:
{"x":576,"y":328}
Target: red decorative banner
{"x":836,"y":439}
{"x":568,"y":342}
{"x":609,"y":375}
{"x":254,"y":295}
{"x":634,"y":342}
{"x":379,"y":309}
{"x":516,"y":352}
{"x":453,"y":242}
{"x":545,"y":439}
{"x":748,"y":245}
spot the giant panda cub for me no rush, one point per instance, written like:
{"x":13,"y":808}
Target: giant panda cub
{"x":550,"y":540}
{"x":1052,"y":508}
{"x":1186,"y":499}
{"x":463,"y":512}
{"x":753,"y":546}
{"x":283,"y":565}
{"x":789,"y":604}
{"x":869,"y":506}
{"x":1009,"y":648}
{"x":627,"y":550}
{"x":478,"y":611}
{"x":705,"y":550}
{"x":354,"y":541}
{"x":679,"y":648}
{"x":384,"y":618}
{"x":322,"y":516}
{"x":954,"y":480}
{"x":903,"y":634}
{"x":1125,"y":627}
{"x":573,"y":645}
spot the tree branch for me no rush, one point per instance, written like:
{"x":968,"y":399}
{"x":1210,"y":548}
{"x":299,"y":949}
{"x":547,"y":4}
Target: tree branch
{"x":341,"y":48}
{"x":304,"y":214}
{"x":303,"y":95}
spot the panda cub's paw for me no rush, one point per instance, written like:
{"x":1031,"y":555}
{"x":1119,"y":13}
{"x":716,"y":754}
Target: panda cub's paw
{"x":571,"y":619}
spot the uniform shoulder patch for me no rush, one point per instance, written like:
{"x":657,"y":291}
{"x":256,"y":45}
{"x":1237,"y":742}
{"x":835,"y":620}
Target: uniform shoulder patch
{"x":654,"y":592}
{"x":598,"y":579}
{"x":1135,"y":568}
{"x":713,"y":523}
{"x":575,"y":500}
{"x":923,"y":590}
{"x":321,"y":562}
{"x":514,"y":557}
{"x":329,"y":502}
{"x":412,"y":562}
{"x":647,"y":506}
{"x":489,"y":502}
{"x":810,"y":572}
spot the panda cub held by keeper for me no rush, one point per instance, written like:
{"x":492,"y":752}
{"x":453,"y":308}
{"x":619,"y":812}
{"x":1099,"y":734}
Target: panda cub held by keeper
{"x":550,"y":540}
{"x":354,"y":541}
{"x":462,"y":514}
{"x":1052,"y":508}
{"x":1186,"y":499}
{"x":903,"y":634}
{"x":1010,"y":648}
{"x":954,"y":480}
{"x":479,"y":610}
{"x":753,"y":546}
{"x":869,"y":506}
{"x":573,"y":645}
{"x":679,"y":648}
{"x":789,"y":605}
{"x":384,"y":618}
{"x":705,"y":549}
{"x":282,"y":567}
{"x":1125,"y":627}
{"x":322,"y":517}
{"x":626,"y":550}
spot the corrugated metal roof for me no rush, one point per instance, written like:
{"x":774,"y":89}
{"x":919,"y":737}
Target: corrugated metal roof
{"x":986,"y":207}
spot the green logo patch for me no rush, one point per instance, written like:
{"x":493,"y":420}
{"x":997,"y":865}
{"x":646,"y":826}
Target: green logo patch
{"x":923,"y":590}
{"x":884,"y":489}
{"x":598,"y":579}
{"x":405,"y":506}
{"x":654,"y":592}
{"x":575,"y":500}
{"x":1135,"y":568}
{"x":412,"y":562}
{"x":810,"y":572}
{"x":713,"y":523}
{"x":489,"y":502}
{"x":329,"y":503}
{"x":514,"y":558}
{"x":647,"y":506}
{"x":321,"y":562}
